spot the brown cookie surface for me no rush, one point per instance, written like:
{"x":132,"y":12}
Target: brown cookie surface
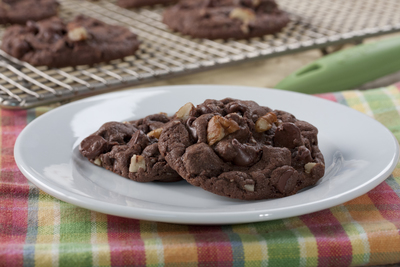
{"x":140,"y":3}
{"x":242,"y":150}
{"x":83,"y":41}
{"x":21,"y":11}
{"x":223,"y":19}
{"x":130,"y":149}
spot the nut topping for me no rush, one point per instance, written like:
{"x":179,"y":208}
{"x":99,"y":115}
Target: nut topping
{"x":278,"y":123}
{"x":184,"y":112}
{"x":265,"y":122}
{"x":256,"y":2}
{"x":78,"y":34}
{"x":249,"y":187}
{"x":137,"y":162}
{"x":219,"y":127}
{"x":155,"y":133}
{"x":97,"y":161}
{"x":308,"y":167}
{"x":245,"y":15}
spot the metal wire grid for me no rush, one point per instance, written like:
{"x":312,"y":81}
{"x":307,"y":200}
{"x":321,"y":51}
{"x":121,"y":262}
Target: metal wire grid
{"x":164,"y":54}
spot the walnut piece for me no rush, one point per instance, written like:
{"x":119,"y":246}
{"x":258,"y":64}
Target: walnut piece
{"x":97,"y":161}
{"x":184,"y":112}
{"x":308,"y":167}
{"x":256,"y":2}
{"x":265,"y":122}
{"x":245,"y":15}
{"x":78,"y":34}
{"x":219,"y":127}
{"x":155,"y":133}
{"x":249,"y":187}
{"x":137,"y":162}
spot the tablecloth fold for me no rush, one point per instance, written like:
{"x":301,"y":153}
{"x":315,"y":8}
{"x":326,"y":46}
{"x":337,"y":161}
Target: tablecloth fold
{"x":39,"y":230}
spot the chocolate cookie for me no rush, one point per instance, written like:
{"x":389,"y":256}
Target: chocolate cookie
{"x":83,"y":41}
{"x":20,"y":11}
{"x":130,"y":149}
{"x":223,"y":19}
{"x":242,"y":150}
{"x":140,"y":3}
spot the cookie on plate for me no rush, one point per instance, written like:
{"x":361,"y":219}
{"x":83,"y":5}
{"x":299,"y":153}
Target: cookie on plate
{"x":242,"y":150}
{"x":21,"y":11}
{"x":130,"y":149}
{"x":223,"y":19}
{"x":140,"y":3}
{"x":83,"y":41}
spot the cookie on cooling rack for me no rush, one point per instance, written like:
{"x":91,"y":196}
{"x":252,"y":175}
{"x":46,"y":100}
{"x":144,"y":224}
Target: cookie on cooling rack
{"x":83,"y":41}
{"x":241,"y":150}
{"x":130,"y":149}
{"x":223,"y":19}
{"x":140,"y":3}
{"x":20,"y":11}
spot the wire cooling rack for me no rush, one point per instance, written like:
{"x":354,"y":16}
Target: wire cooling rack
{"x":165,"y":54}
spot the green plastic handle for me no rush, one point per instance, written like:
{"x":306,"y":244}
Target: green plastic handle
{"x":346,"y":69}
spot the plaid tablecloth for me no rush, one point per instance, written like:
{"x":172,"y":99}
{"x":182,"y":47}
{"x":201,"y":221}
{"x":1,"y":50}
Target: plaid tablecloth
{"x":39,"y":230}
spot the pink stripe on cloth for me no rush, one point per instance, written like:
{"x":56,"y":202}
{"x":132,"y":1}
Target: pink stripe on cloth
{"x":14,"y":192}
{"x":334,"y":246}
{"x":213,"y":246}
{"x":126,"y":245}
{"x":387,"y":202}
{"x":327,"y":96}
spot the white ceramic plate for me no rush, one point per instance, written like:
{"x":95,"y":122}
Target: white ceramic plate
{"x":359,"y":152}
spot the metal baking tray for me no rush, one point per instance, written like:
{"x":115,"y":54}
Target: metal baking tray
{"x":164,"y":54}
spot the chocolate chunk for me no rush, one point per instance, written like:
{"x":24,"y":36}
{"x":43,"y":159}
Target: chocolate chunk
{"x":192,"y":128}
{"x":288,"y":135}
{"x":116,"y":132}
{"x":199,"y":124}
{"x":141,"y":139}
{"x":200,"y":159}
{"x":92,"y":146}
{"x":301,"y":156}
{"x":239,"y":154}
{"x":152,"y":122}
{"x":285,"y":178}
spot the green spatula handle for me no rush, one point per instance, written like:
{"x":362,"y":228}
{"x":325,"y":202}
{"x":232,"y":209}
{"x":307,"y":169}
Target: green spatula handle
{"x":346,"y":69}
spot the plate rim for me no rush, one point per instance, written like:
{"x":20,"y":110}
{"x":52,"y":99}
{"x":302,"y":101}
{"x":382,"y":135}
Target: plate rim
{"x":196,"y":218}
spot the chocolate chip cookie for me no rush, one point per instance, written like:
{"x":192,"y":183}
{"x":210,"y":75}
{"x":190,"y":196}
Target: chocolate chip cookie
{"x":21,"y":11}
{"x":130,"y":149}
{"x":223,"y":19}
{"x":83,"y":41}
{"x":242,"y":150}
{"x":140,"y":3}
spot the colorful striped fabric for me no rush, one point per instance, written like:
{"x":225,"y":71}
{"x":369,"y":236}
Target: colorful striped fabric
{"x":39,"y":230}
